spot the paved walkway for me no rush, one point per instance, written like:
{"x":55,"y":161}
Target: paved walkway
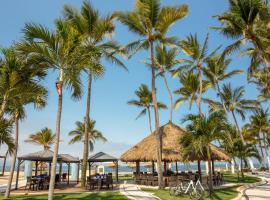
{"x":131,"y":191}
{"x":260,"y":192}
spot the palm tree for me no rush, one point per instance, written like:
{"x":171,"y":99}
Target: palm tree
{"x":44,"y":137}
{"x":202,"y":131}
{"x":197,"y":54}
{"x":151,"y":22}
{"x":145,"y":102}
{"x":215,"y":72}
{"x":260,"y":125}
{"x":235,"y":104}
{"x":6,"y":139}
{"x":94,"y":30}
{"x":16,"y":109}
{"x":93,"y":134}
{"x":190,"y":89}
{"x":166,"y":60}
{"x":60,"y":50}
{"x":246,"y":21}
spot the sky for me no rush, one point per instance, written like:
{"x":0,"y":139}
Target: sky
{"x":114,"y":118}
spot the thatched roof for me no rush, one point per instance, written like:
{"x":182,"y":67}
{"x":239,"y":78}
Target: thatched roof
{"x":145,"y":150}
{"x":47,"y":156}
{"x":102,"y":157}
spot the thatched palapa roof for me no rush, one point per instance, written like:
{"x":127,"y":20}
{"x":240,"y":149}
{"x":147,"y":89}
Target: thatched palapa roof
{"x":145,"y":150}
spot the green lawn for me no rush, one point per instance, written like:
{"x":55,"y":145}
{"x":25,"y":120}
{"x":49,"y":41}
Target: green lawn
{"x":232,"y":178}
{"x":83,"y":196}
{"x":222,"y":194}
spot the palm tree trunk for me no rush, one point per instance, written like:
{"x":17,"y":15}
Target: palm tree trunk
{"x":86,"y":136}
{"x":219,"y":93}
{"x":200,"y":92}
{"x":57,"y":138}
{"x":238,"y":128}
{"x":3,"y":106}
{"x":261,"y":148}
{"x":210,"y":171}
{"x":149,"y":119}
{"x":158,"y":133}
{"x":171,"y":97}
{"x":266,"y":148}
{"x":4,"y":164}
{"x":14,"y":157}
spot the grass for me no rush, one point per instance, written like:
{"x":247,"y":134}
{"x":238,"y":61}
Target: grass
{"x":82,"y":196}
{"x":232,"y":178}
{"x":222,"y":194}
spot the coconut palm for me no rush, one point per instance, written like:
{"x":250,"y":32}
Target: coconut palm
{"x":94,"y":31}
{"x":93,"y":134}
{"x":44,"y":137}
{"x":246,"y":21}
{"x":202,"y":131}
{"x":6,"y":135}
{"x":145,"y":102}
{"x":16,"y":109}
{"x":59,"y":50}
{"x":216,"y":72}
{"x":235,"y":103}
{"x":166,"y":60}
{"x":190,"y":89}
{"x":151,"y":22}
{"x":197,"y":57}
{"x":260,"y":125}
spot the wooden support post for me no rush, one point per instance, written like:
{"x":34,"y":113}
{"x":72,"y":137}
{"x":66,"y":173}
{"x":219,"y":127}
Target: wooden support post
{"x":117,"y":171}
{"x":153,"y":167}
{"x":17,"y":175}
{"x":199,"y":170}
{"x":36,"y":168}
{"x":137,"y":167}
{"x":213,"y":166}
{"x":165,"y":167}
{"x":60,"y":171}
{"x":176,"y":167}
{"x":68,"y":172}
{"x":89,"y":172}
{"x":78,"y":173}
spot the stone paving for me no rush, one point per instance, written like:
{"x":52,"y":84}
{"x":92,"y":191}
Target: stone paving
{"x":260,"y":192}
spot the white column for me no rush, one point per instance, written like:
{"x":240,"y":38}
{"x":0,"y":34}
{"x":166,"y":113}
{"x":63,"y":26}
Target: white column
{"x":27,"y":168}
{"x":206,"y":167}
{"x":74,"y":172}
{"x":251,"y":163}
{"x":232,"y":166}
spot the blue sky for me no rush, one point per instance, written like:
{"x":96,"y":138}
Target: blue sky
{"x":114,"y":117}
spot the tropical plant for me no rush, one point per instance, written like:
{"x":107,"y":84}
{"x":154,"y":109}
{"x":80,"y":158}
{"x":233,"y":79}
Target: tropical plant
{"x":44,"y":137}
{"x":93,"y":30}
{"x":16,"y":107}
{"x":166,"y":60}
{"x":151,"y":22}
{"x":202,"y":131}
{"x":198,"y":56}
{"x":6,"y":135}
{"x":145,"y":102}
{"x":59,"y":50}
{"x":190,"y":89}
{"x":216,"y":72}
{"x":93,"y":134}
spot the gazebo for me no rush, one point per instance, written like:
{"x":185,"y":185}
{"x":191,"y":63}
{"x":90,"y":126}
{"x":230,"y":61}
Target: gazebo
{"x":145,"y":150}
{"x":4,"y":164}
{"x":103,"y":157}
{"x":47,"y":156}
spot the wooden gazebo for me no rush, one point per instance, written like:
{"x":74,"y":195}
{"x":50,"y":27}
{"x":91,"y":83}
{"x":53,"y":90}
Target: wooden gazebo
{"x":47,"y":156}
{"x":103,"y":157}
{"x":145,"y":150}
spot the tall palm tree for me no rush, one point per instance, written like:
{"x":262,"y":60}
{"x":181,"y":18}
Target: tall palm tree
{"x":94,"y":31}
{"x":44,"y":137}
{"x":59,"y":50}
{"x":166,"y":60}
{"x":16,"y":109}
{"x":260,"y":125}
{"x":190,"y":89}
{"x":216,"y":72}
{"x":235,"y":103}
{"x":151,"y":22}
{"x":246,"y":21}
{"x":145,"y":102}
{"x":197,"y":57}
{"x":202,"y":131}
{"x":93,"y":134}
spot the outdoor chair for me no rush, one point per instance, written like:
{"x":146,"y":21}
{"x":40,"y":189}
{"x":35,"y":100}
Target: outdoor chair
{"x":29,"y":183}
{"x":91,"y":183}
{"x":64,"y":177}
{"x":109,"y":181}
{"x":57,"y":179}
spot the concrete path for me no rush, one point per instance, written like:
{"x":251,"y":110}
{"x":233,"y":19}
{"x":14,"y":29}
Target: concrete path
{"x":260,"y":192}
{"x":131,"y":191}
